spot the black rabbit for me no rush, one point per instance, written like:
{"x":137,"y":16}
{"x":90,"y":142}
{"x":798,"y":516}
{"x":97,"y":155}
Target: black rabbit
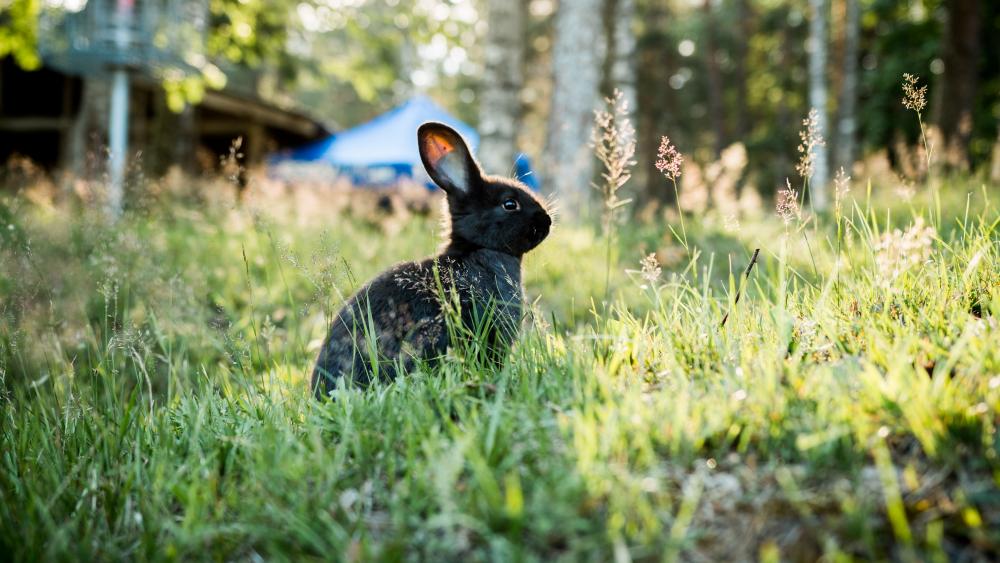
{"x":399,"y":317}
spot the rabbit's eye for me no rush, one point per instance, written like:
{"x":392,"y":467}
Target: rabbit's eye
{"x":510,"y":204}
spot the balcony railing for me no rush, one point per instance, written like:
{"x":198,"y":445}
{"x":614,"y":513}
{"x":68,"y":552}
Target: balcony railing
{"x":109,"y":34}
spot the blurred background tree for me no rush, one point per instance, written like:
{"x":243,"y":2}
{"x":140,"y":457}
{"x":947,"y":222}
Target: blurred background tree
{"x":528,"y":73}
{"x":503,"y":79}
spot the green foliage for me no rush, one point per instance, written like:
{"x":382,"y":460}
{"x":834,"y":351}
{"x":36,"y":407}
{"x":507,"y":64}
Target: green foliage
{"x":358,"y":60}
{"x":154,"y":395}
{"x":353,"y":60}
{"x":901,"y":42}
{"x":249,"y":31}
{"x":19,"y":32}
{"x":764,"y":43}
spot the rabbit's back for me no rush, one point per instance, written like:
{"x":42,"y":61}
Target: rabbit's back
{"x":399,"y":318}
{"x":395,"y":316}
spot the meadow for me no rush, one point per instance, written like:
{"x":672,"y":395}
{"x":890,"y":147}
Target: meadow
{"x":155,"y":402}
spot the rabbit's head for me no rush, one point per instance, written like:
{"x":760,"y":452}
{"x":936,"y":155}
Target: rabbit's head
{"x":485,"y":211}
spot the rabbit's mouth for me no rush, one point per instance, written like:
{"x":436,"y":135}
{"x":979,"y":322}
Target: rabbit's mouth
{"x":530,"y":237}
{"x":539,"y":231}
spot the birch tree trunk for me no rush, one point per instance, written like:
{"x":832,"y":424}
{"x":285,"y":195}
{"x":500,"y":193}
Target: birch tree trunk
{"x":577,"y":52}
{"x":847,"y":108}
{"x":620,"y":72}
{"x":817,"y":99}
{"x":623,"y":51}
{"x":500,"y":102}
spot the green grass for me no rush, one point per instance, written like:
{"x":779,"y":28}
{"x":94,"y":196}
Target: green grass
{"x":155,"y":402}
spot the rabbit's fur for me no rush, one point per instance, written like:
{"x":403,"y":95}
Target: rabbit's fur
{"x":399,"y":318}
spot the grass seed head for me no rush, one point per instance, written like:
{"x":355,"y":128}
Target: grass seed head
{"x":811,"y":137}
{"x":914,"y":96}
{"x":841,"y":187}
{"x":669,"y":159}
{"x":613,"y":141}
{"x":650,"y":268}
{"x":787,"y":205}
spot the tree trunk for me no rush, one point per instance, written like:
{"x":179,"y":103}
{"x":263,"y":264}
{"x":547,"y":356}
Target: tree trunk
{"x":817,"y":99}
{"x":715,"y":110}
{"x":847,"y":107}
{"x":622,"y":72}
{"x":656,"y":111}
{"x":995,"y":167}
{"x":500,"y":101}
{"x":577,"y":53}
{"x":621,"y":67}
{"x":743,"y":117}
{"x":958,"y":91}
{"x":783,"y":111}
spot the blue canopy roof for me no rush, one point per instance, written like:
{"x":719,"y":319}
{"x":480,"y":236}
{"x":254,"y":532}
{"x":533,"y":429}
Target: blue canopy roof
{"x":385,"y":148}
{"x":388,"y":140}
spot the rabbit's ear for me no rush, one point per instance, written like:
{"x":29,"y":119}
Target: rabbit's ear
{"x":447,"y":159}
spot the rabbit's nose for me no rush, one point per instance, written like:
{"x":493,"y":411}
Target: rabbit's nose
{"x":541,"y":229}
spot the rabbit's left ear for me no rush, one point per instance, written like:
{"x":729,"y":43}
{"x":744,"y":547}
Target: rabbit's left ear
{"x":447,"y":159}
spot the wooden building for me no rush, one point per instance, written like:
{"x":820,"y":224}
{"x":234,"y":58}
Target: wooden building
{"x":59,"y":121}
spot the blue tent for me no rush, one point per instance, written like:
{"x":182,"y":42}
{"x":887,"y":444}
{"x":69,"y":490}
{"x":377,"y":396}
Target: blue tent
{"x":381,"y":151}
